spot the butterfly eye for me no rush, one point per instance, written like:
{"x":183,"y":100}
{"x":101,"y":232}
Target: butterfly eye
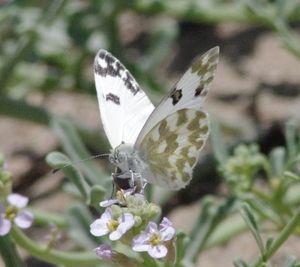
{"x":121,"y":157}
{"x":111,"y":158}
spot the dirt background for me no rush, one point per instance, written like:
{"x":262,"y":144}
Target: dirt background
{"x":256,"y":87}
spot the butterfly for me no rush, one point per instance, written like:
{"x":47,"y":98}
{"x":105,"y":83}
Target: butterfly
{"x":160,"y":144}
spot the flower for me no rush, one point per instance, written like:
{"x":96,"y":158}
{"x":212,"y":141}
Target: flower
{"x":153,"y":239}
{"x":13,"y":213}
{"x":107,"y":224}
{"x":105,"y":252}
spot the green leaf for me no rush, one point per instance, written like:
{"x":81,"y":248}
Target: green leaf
{"x":181,"y":243}
{"x":96,"y":195}
{"x":239,"y":263}
{"x":75,"y":148}
{"x":79,"y":220}
{"x":149,"y":261}
{"x":211,"y":215}
{"x":269,"y":243}
{"x":292,"y":176}
{"x":61,"y":162}
{"x":290,"y":137}
{"x":249,"y":218}
{"x":277,"y":160}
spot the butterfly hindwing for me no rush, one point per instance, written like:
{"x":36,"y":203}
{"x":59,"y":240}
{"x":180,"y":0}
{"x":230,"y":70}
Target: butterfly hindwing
{"x":171,"y":148}
{"x":124,"y":107}
{"x":188,"y":93}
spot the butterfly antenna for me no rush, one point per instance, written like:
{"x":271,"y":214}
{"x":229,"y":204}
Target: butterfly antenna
{"x":79,"y":162}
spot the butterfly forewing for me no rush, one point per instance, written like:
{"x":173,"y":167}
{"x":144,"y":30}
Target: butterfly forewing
{"x":171,"y":148}
{"x":189,"y":92}
{"x":124,"y":107}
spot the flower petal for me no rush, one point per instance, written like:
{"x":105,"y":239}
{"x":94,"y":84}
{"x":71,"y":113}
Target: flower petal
{"x":168,"y":234}
{"x":115,"y":235}
{"x":141,"y":242}
{"x":158,"y":251}
{"x":141,"y":238}
{"x":5,"y":226}
{"x":108,"y":203}
{"x":126,"y":221}
{"x":24,"y":219}
{"x":165,"y":223}
{"x":2,"y":209}
{"x":107,"y":215}
{"x":99,"y":227}
{"x":17,"y":200}
{"x":151,"y":228}
{"x":166,"y":229}
{"x":141,"y":247}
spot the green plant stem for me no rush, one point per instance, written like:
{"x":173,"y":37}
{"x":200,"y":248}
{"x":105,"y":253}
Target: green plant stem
{"x":235,"y":225}
{"x":282,"y":237}
{"x":261,"y":194}
{"x":207,"y":222}
{"x":21,"y":110}
{"x":72,"y":259}
{"x":9,"y":253}
{"x":43,"y":218}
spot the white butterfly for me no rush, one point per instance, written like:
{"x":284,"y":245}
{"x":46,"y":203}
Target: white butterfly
{"x":160,"y":144}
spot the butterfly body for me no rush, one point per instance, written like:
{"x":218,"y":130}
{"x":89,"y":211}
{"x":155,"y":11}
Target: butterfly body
{"x":127,"y":159}
{"x":161,"y":145}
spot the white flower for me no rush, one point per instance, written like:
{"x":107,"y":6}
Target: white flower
{"x":14,"y":212}
{"x":116,"y":228}
{"x":153,"y":239}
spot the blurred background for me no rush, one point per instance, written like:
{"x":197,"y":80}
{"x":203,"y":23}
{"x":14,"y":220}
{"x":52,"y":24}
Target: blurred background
{"x":47,"y":50}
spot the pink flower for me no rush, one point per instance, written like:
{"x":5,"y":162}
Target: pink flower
{"x":14,"y":212}
{"x":153,"y":239}
{"x":116,"y":228}
{"x":105,"y":252}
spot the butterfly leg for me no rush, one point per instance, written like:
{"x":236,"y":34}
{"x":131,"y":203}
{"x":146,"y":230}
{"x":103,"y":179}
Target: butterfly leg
{"x":114,"y":188}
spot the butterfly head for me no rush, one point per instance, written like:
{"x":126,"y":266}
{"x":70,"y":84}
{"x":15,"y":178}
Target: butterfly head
{"x":122,"y":156}
{"x":117,"y":156}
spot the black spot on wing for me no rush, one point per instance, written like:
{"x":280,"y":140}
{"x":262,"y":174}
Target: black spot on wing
{"x":176,"y":95}
{"x":110,"y":66}
{"x":114,"y":98}
{"x":199,"y":89}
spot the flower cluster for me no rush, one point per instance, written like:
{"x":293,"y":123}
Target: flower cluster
{"x":128,"y":218}
{"x":12,"y":212}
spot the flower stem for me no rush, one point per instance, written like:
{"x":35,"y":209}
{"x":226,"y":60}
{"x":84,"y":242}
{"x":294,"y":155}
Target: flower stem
{"x":51,"y":255}
{"x":9,"y":253}
{"x":282,"y":237}
{"x":44,"y":218}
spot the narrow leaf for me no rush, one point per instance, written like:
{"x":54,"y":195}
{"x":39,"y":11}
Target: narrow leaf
{"x":249,"y":218}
